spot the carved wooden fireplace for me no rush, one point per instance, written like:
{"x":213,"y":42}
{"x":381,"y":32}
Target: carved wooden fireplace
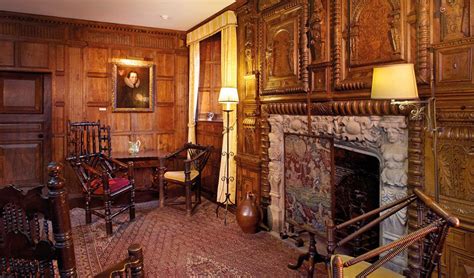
{"x":365,"y":128}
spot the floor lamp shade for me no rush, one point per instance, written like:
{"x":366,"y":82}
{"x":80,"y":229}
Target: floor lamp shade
{"x":394,"y":82}
{"x":228,"y":95}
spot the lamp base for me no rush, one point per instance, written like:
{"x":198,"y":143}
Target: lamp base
{"x":226,"y":203}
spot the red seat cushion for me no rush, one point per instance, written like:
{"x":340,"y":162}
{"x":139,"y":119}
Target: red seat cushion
{"x":115,"y":184}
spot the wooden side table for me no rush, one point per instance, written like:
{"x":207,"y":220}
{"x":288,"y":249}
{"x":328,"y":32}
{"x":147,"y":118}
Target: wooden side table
{"x":149,"y":165}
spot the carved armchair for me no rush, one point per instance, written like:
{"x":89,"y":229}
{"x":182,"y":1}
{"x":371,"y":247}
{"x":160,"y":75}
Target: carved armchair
{"x":103,"y":178}
{"x":191,"y":160}
{"x":28,"y":247}
{"x":432,"y":229}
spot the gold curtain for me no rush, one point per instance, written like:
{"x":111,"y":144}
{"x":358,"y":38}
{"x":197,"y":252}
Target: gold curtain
{"x":227,"y":24}
{"x":229,"y":79}
{"x":193,"y":89}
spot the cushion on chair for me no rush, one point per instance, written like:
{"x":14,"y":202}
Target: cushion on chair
{"x":115,"y":185}
{"x":179,"y":175}
{"x":354,"y":270}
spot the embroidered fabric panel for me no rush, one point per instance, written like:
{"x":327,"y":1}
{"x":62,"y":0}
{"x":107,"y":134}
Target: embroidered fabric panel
{"x":309,"y":172}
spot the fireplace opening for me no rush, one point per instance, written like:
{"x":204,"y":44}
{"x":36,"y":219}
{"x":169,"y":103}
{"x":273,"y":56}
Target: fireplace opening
{"x":357,"y":181}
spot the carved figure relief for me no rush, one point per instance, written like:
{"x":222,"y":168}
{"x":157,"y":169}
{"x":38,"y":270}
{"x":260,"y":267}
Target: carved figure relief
{"x":316,"y":31}
{"x":284,"y":61}
{"x":454,"y":19}
{"x":282,"y":54}
{"x":371,"y":33}
{"x":456,"y":164}
{"x":368,"y":38}
{"x":249,"y":45}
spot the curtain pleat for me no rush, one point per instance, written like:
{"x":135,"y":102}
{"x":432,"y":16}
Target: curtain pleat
{"x":193,"y":90}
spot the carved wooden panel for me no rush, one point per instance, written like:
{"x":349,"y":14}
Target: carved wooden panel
{"x":210,"y":133}
{"x":458,"y":258}
{"x":15,"y":157}
{"x":456,"y":176}
{"x":455,"y":62}
{"x":456,"y":22}
{"x":248,"y":180}
{"x":7,"y":57}
{"x":96,"y":90}
{"x":164,"y":64}
{"x":21,"y":94}
{"x":362,"y":40}
{"x":283,"y":54}
{"x":33,"y":55}
{"x":96,"y":60}
{"x":318,"y":30}
{"x":164,"y":91}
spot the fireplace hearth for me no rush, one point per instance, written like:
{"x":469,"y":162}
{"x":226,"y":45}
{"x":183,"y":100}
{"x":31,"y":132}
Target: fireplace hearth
{"x":357,"y":192}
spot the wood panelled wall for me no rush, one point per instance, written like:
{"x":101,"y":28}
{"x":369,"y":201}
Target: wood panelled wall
{"x":311,"y":51}
{"x":77,"y":54}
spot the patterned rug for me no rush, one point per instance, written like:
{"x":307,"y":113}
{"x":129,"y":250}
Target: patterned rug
{"x":175,"y":245}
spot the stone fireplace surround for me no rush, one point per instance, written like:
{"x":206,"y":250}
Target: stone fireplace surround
{"x":371,"y":127}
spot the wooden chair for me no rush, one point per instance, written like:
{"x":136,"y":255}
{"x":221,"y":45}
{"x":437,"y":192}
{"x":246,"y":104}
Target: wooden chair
{"x":191,"y":160}
{"x":28,"y":247}
{"x":433,"y":226}
{"x":103,"y":178}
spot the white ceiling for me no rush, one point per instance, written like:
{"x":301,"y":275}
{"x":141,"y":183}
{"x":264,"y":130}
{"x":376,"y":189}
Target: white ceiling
{"x":182,"y":14}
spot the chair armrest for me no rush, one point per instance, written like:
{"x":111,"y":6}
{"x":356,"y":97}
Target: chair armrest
{"x":134,"y":262}
{"x":175,"y":153}
{"x":91,"y":169}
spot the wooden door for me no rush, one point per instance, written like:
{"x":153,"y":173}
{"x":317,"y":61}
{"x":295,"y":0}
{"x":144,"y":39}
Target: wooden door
{"x":25,"y":148}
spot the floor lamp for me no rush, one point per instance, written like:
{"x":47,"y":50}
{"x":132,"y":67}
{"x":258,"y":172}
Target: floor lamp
{"x":227,"y":96}
{"x":398,"y":83}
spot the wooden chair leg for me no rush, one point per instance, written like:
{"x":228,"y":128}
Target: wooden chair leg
{"x":312,"y":257}
{"x":88,"y":209}
{"x":198,"y":190}
{"x":188,"y":200}
{"x":108,"y":217}
{"x":132,"y":204}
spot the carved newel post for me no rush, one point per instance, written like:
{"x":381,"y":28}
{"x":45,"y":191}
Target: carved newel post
{"x":61,"y":221}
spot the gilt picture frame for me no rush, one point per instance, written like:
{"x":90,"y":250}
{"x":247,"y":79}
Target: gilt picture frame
{"x":133,"y":85}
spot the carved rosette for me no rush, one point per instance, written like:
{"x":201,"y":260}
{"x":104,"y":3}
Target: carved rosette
{"x":385,"y":137}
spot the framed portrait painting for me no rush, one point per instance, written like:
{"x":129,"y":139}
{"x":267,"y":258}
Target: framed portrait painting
{"x":133,"y":85}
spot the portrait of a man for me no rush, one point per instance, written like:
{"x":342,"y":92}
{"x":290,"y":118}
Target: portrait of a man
{"x":133,"y":86}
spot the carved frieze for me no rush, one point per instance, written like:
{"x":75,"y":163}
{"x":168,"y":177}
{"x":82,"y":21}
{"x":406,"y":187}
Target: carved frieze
{"x":264,"y":4}
{"x":284,"y":53}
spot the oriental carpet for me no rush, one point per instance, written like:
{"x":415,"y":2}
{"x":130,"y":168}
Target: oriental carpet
{"x":175,"y":245}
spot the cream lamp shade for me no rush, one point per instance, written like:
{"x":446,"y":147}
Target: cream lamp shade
{"x":228,"y":95}
{"x":396,"y":81}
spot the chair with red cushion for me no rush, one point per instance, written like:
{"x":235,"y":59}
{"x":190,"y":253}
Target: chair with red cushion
{"x":102,"y":177}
